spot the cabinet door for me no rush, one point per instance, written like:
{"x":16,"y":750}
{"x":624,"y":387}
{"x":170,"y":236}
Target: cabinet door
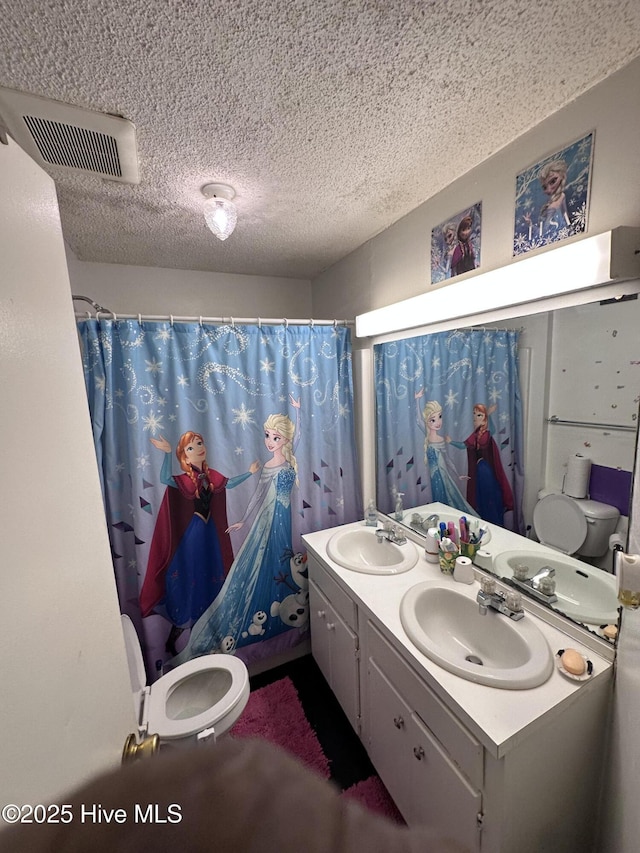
{"x":320,"y":612}
{"x":424,"y":783}
{"x":335,"y":649}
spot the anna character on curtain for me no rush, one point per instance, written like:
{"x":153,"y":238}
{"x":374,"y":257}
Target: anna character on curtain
{"x":242,"y":612}
{"x":191,"y":550}
{"x":442,"y":472}
{"x":488,"y":489}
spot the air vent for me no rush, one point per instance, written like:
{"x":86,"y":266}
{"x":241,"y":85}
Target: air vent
{"x":57,"y":134}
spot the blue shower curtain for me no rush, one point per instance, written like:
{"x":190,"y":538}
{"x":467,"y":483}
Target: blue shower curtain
{"x":218,"y":447}
{"x":449,"y":423}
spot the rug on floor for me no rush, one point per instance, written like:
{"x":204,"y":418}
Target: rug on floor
{"x":275,"y":713}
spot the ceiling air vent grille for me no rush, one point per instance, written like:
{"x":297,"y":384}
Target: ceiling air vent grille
{"x":61,"y":135}
{"x":75,"y":147}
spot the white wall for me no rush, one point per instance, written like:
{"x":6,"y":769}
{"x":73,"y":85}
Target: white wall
{"x":66,"y":695}
{"x":596,"y":377}
{"x":395,"y":264}
{"x":155,"y":291}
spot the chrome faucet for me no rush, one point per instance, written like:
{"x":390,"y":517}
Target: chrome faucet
{"x":489,"y":598}
{"x":544,"y":572}
{"x":540,"y":585}
{"x":391,"y":534}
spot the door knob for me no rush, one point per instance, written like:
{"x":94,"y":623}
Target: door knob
{"x":134,"y":751}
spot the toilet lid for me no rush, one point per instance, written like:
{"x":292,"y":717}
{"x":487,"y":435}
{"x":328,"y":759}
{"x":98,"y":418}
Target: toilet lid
{"x":207,"y":691}
{"x":560,"y":523}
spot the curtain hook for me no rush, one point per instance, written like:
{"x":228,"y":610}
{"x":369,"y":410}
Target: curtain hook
{"x":201,"y":321}
{"x":311,"y":323}
{"x":259,"y":323}
{"x":335,"y":324}
{"x":171,"y":319}
{"x":286,"y":323}
{"x":233,"y":323}
{"x":139,"y":319}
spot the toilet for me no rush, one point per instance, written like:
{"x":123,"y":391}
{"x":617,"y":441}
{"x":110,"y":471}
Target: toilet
{"x":574,"y":525}
{"x":197,"y":701}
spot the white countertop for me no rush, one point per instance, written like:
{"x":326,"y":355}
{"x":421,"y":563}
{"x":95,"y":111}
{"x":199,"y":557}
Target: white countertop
{"x":498,"y":718}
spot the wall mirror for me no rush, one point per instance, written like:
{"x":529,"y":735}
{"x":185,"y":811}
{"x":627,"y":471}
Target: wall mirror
{"x":573,"y":414}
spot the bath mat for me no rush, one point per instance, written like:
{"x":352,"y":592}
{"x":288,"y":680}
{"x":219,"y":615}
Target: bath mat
{"x":372,"y":794}
{"x":275,"y":713}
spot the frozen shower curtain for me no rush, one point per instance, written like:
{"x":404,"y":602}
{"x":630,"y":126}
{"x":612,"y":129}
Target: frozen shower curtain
{"x":218,"y":447}
{"x":449,"y":423}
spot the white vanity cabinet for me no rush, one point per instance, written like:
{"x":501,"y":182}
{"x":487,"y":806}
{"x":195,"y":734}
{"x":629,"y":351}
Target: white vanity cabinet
{"x":334,"y":639}
{"x":498,"y":770}
{"x":409,"y":733}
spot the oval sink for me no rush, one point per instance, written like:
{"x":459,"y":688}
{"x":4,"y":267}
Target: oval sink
{"x":360,"y":550}
{"x":584,"y":593}
{"x":448,"y":628}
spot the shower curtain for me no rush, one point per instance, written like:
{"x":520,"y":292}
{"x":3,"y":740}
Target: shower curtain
{"x":449,"y":423}
{"x":218,"y":447}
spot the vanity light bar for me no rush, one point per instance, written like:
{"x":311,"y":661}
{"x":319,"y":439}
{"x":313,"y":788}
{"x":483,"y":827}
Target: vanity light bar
{"x":591,"y":262}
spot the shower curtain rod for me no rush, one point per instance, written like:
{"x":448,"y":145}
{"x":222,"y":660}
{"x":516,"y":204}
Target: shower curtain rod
{"x":174,"y":318}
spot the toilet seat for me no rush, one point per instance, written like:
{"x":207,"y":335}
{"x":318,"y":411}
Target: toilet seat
{"x":560,"y":523}
{"x":203,"y":693}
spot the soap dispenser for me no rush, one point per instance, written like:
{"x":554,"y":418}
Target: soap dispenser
{"x":371,"y":515}
{"x":399,"y":512}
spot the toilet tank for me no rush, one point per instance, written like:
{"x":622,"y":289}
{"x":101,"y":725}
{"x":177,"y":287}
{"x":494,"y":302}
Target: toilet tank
{"x":602,"y":520}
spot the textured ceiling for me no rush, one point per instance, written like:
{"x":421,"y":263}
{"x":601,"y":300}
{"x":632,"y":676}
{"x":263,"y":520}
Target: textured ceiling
{"x":330,"y":119}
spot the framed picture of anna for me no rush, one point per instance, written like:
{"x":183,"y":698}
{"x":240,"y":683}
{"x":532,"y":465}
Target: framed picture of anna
{"x":552,"y":197}
{"x":455,"y":244}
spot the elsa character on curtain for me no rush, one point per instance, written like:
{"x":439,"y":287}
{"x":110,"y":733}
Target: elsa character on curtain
{"x":488,"y":489}
{"x":442,"y":472}
{"x":257,"y":579}
{"x":191,"y":551}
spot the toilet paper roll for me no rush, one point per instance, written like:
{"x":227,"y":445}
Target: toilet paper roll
{"x":617,"y":539}
{"x":576,"y":481}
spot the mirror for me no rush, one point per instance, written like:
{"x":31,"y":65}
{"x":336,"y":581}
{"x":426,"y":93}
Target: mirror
{"x":579,"y":377}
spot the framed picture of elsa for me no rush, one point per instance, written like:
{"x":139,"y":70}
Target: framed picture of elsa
{"x":552,"y":197}
{"x":455,"y":244}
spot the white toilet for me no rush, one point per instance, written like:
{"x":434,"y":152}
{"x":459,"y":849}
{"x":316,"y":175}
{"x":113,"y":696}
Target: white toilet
{"x":196,"y":701}
{"x":575,"y":526}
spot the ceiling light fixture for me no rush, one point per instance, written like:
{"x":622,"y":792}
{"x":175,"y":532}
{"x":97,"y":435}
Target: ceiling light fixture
{"x":219,"y":211}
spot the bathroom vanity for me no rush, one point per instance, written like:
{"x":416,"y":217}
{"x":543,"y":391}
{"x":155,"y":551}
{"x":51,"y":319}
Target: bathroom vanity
{"x":499,"y":770}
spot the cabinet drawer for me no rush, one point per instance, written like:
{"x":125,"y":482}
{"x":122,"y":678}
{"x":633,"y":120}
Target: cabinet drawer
{"x":334,"y":592}
{"x":459,"y":743}
{"x":425,"y":784}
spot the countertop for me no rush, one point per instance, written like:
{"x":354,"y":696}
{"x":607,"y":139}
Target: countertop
{"x":499,"y":718}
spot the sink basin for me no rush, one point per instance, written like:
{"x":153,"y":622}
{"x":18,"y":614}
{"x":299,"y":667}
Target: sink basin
{"x":446,"y":625}
{"x":359,"y":550}
{"x":584,"y":593}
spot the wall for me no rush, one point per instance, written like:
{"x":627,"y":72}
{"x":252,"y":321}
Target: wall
{"x":395,"y":264}
{"x":66,"y":694}
{"x":155,"y":291}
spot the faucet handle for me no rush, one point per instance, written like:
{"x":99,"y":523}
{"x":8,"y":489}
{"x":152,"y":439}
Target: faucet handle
{"x":514,"y":601}
{"x":488,"y":585}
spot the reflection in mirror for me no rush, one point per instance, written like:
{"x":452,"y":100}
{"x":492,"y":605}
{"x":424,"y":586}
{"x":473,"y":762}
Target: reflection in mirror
{"x":449,"y":423}
{"x":578,"y":373}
